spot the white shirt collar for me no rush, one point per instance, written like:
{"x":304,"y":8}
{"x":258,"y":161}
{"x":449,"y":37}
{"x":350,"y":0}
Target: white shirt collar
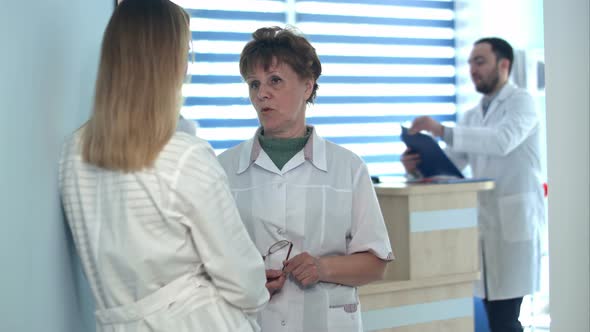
{"x":314,"y":151}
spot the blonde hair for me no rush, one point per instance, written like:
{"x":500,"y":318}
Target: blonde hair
{"x":138,"y":93}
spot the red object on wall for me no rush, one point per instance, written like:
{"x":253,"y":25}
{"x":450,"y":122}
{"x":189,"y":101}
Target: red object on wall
{"x":545,"y":189}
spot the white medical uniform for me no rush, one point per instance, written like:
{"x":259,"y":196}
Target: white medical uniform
{"x":186,"y":126}
{"x":164,"y":248}
{"x":504,"y":146}
{"x":324,"y":202}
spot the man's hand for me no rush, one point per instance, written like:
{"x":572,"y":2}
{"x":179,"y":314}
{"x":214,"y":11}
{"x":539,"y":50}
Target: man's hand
{"x":275,"y":280}
{"x":427,"y":123}
{"x":410,"y":161}
{"x":305,"y":268}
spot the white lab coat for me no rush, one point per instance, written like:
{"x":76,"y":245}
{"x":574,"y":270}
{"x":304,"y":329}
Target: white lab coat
{"x":504,"y":146}
{"x":186,"y":126}
{"x":163,"y":249}
{"x":324,"y":202}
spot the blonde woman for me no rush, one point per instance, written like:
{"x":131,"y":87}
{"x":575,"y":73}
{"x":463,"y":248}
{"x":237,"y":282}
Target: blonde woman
{"x":160,"y":238}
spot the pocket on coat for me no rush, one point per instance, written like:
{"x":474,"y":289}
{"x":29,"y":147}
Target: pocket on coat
{"x":518,"y":216}
{"x":342,"y":319}
{"x":344,"y":308}
{"x":337,"y":220}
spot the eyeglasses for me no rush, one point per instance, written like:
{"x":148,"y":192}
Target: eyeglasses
{"x":278,"y":246}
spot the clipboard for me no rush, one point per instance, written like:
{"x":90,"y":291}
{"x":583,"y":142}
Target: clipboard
{"x":433,"y":161}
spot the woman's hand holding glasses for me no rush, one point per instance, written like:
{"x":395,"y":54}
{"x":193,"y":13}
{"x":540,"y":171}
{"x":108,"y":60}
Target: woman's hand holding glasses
{"x":305,"y":268}
{"x":275,"y":279}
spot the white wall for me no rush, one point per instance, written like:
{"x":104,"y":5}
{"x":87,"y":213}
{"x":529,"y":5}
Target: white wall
{"x":47,"y":64}
{"x":567,"y":55}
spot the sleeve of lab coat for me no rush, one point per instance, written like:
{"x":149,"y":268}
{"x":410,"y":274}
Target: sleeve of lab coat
{"x":223,"y":244}
{"x":368,"y":231}
{"x":460,"y":159}
{"x":519,"y":119}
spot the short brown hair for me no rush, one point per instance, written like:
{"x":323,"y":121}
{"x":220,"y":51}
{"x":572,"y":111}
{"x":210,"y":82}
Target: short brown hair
{"x":138,"y":92}
{"x":285,"y":46}
{"x":501,"y":48}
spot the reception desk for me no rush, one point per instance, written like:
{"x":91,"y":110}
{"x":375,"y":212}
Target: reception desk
{"x":429,"y":285}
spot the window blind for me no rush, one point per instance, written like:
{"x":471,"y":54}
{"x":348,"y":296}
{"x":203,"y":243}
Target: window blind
{"x":384,"y":62}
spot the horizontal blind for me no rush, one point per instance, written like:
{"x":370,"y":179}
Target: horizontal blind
{"x":216,"y":97}
{"x":384,"y":62}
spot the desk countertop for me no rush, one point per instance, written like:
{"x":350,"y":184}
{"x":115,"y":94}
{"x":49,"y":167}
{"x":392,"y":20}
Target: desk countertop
{"x":389,"y":286}
{"x":405,"y":189}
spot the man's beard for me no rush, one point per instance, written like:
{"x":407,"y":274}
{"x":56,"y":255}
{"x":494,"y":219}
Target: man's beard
{"x":488,"y":85}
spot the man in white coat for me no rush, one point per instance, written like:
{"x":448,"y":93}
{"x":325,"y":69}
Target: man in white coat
{"x":499,"y":139}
